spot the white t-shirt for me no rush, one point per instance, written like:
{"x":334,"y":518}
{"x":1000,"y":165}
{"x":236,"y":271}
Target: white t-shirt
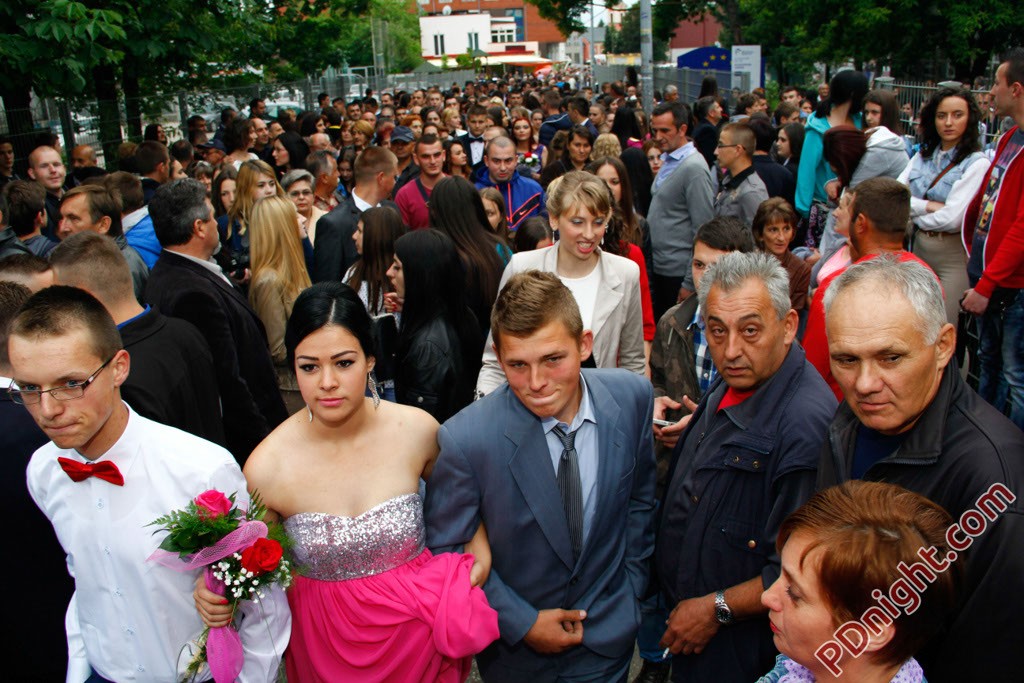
{"x":585,"y":291}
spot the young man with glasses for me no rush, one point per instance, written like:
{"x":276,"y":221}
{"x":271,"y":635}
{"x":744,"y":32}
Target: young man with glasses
{"x":107,"y":474}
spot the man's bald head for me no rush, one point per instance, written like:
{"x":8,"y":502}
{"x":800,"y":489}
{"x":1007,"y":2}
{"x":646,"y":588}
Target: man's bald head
{"x":83,"y":156}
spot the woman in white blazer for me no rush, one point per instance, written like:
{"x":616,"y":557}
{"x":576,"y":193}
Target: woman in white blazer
{"x":606,"y":287}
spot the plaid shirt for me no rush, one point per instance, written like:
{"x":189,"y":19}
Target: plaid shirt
{"x":704,"y":365}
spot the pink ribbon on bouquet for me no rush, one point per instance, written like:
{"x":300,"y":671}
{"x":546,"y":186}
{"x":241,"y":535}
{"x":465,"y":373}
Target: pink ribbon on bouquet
{"x":224,"y":652}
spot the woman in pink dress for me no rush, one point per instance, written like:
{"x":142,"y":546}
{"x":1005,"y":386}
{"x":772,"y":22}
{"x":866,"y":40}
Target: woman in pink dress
{"x":371,"y":603}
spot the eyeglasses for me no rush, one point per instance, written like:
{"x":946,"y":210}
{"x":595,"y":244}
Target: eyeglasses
{"x":721,"y":145}
{"x":68,"y":392}
{"x":301,"y":193}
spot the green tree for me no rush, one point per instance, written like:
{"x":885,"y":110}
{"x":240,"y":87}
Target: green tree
{"x":52,"y":47}
{"x":627,"y":40}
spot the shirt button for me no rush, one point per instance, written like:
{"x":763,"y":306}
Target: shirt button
{"x":117,"y":592}
{"x":736,"y":459}
{"x":106,"y":549}
{"x":419,"y":399}
{"x":695,"y":499}
{"x":99,"y":503}
{"x":141,"y":668}
{"x":751,"y":543}
{"x":756,"y":464}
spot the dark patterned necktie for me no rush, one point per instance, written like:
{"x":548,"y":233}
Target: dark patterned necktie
{"x":571,"y":489}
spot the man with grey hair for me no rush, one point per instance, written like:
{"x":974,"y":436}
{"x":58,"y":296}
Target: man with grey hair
{"x":324,"y":169}
{"x":187,"y":283}
{"x":671,"y":93}
{"x":747,"y":459}
{"x":910,"y":419}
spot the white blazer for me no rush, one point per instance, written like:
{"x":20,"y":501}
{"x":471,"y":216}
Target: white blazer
{"x":618,"y":320}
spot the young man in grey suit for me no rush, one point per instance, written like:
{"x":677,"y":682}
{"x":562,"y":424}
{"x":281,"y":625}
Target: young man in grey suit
{"x":558,"y":465}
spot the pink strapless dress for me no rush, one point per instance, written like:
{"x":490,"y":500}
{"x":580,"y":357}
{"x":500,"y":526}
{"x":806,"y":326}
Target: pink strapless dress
{"x":372,"y":604}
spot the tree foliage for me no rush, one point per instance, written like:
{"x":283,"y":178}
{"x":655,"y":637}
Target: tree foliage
{"x":627,"y":39}
{"x":913,"y":37}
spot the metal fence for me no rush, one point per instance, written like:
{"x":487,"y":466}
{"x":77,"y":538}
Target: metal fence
{"x":688,"y":81}
{"x":78,"y":122}
{"x":912,"y":95}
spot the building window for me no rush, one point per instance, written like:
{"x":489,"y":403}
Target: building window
{"x":474,"y":41}
{"x":503,"y":34}
{"x":439,"y":44}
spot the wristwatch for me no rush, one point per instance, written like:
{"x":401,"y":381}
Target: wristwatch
{"x":722,"y":612}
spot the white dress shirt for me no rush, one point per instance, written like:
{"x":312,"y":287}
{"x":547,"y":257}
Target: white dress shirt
{"x":130,"y":619}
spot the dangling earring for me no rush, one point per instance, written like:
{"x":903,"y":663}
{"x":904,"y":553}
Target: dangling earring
{"x":373,"y":390}
{"x":308,"y":410}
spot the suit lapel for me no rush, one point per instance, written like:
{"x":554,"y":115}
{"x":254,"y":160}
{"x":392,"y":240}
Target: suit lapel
{"x":209,"y":275}
{"x":609,"y":294}
{"x":530,"y":466}
{"x":612,"y":444}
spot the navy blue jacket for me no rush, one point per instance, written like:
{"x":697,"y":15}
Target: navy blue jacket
{"x":736,"y":474}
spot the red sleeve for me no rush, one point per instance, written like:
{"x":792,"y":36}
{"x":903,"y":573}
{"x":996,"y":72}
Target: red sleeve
{"x":815,"y":341}
{"x":647,"y":310}
{"x":1006,"y":261}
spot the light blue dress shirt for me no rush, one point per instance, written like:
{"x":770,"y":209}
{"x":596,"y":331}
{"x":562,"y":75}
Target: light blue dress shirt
{"x":586,"y":444}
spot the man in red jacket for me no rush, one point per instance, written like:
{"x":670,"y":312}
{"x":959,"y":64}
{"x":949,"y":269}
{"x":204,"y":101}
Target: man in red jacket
{"x":994,"y":237}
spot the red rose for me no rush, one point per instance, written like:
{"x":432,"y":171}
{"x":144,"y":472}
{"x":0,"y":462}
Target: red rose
{"x":212,"y":504}
{"x":262,"y":556}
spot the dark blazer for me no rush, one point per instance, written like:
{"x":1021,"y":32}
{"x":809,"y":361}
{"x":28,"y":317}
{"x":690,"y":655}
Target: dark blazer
{"x":705,"y":139}
{"x":39,"y":639}
{"x":957,"y":450}
{"x":495,"y":467}
{"x":334,"y":252}
{"x":250,"y":398}
{"x":777,"y":180}
{"x":173,"y":379}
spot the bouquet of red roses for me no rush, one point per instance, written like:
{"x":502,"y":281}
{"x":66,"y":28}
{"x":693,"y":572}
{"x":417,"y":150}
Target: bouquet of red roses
{"x":241,"y":556}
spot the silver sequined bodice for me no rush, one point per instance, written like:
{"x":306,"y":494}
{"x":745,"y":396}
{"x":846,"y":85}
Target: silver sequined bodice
{"x":332,"y":548}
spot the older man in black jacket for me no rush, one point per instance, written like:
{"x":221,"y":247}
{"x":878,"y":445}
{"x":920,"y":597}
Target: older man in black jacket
{"x":186,"y":283}
{"x":909,"y":419}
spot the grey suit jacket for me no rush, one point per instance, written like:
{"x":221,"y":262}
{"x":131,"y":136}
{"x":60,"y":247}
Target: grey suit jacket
{"x":617,"y":324}
{"x":495,"y":467}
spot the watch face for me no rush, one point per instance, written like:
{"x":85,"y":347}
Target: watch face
{"x":723,"y":614}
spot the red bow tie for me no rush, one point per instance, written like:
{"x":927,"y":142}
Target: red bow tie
{"x":80,"y":471}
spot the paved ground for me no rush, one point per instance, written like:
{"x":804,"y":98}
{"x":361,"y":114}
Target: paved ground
{"x":634,"y":669}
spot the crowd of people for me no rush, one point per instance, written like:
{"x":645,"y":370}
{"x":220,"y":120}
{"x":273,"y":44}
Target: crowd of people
{"x":532,"y":376}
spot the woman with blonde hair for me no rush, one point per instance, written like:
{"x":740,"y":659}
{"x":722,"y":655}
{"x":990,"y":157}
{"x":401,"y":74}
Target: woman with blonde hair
{"x":606,"y":145}
{"x":452,"y":120}
{"x":606,"y":287}
{"x":256,"y":179}
{"x":278,"y":276}
{"x":362,"y":135}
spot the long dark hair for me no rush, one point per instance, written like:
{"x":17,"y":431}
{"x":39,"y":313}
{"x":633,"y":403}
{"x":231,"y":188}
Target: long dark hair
{"x":639,"y":171}
{"x":708,"y":87}
{"x":457,"y":210}
{"x":795,"y":133}
{"x":846,"y":86}
{"x":382,"y":226}
{"x":843,"y":147}
{"x":630,"y":229}
{"x":448,"y":155}
{"x":323,"y":304}
{"x":890,"y":109}
{"x":626,"y":126}
{"x":297,"y":150}
{"x":930,"y":140}
{"x":434,"y":288}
